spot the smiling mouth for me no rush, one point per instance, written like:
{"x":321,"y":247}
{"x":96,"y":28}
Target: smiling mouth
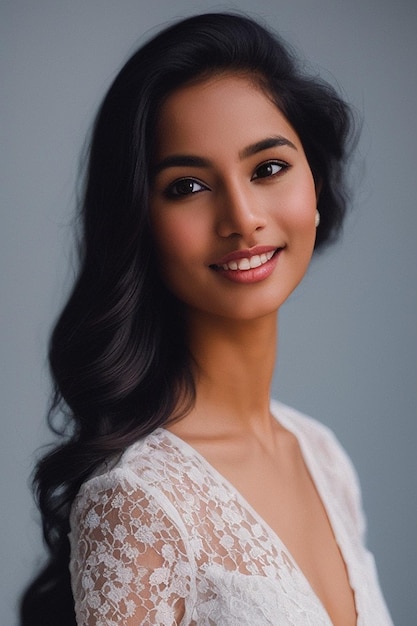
{"x":247,"y":263}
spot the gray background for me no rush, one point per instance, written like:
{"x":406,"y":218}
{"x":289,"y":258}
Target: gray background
{"x":348,"y":349}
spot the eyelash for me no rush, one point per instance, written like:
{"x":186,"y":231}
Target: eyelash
{"x":174,"y":192}
{"x":282,"y":165}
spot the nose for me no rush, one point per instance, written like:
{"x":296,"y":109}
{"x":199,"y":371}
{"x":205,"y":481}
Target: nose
{"x":239,"y":213}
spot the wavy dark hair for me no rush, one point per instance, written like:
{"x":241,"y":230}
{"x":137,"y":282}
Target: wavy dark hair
{"x":118,"y":354}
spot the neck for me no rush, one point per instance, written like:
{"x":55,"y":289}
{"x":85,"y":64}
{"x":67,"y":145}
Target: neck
{"x":235,"y":363}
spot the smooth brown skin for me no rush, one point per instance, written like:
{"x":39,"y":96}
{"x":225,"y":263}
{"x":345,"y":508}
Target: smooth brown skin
{"x":233,"y":327}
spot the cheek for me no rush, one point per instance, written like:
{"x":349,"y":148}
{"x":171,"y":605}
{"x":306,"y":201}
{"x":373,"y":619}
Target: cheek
{"x":307,"y":191}
{"x":302,"y":205}
{"x":179,"y":238}
{"x":300,"y":225}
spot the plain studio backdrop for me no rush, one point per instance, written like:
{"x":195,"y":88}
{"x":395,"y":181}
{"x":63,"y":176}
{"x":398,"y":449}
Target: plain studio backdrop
{"x":348,"y":335}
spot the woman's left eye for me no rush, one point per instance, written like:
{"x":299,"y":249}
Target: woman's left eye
{"x":270,"y":168}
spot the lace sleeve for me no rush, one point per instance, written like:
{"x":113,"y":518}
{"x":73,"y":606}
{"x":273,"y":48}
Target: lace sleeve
{"x":128,"y":560}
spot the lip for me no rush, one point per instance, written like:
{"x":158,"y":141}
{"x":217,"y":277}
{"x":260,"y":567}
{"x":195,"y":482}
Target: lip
{"x":244,"y":254}
{"x":252,"y":275}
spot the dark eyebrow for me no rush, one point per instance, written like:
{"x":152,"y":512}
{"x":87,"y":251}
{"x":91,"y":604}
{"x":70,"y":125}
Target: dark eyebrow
{"x":180,"y":160}
{"x":188,"y":160}
{"x":265,"y":144}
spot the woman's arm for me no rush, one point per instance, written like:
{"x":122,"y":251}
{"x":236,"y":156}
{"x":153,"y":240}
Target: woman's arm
{"x":128,"y":560}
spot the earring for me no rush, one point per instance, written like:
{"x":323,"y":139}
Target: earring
{"x":317,"y":221}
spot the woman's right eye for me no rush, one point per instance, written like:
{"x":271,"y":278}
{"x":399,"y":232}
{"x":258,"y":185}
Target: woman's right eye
{"x":184,"y":187}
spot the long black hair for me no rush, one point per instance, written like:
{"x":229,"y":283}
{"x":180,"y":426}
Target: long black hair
{"x":118,"y":354}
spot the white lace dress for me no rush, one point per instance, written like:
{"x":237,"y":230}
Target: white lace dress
{"x":161,"y":533}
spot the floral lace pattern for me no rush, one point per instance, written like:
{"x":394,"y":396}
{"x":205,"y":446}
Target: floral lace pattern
{"x":160,"y":538}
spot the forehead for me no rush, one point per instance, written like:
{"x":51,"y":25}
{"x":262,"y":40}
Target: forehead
{"x":225,"y":112}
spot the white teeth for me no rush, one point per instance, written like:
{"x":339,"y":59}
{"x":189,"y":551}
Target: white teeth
{"x":249,"y":263}
{"x":244,"y":264}
{"x":255,"y":261}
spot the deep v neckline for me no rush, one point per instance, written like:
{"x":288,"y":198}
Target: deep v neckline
{"x":314,"y":472}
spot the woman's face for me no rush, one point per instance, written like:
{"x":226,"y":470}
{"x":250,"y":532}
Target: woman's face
{"x":233,"y":200}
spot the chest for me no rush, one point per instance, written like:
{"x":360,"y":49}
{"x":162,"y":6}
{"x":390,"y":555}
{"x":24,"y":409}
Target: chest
{"x":283,"y":496}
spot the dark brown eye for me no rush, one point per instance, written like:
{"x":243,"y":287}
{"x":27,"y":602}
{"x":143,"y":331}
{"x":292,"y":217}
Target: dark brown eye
{"x":270,"y":168}
{"x":184,"y":187}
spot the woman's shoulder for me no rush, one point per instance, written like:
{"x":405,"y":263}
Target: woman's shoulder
{"x":143,"y":462}
{"x":154,"y":470}
{"x":311,"y":431}
{"x":142,"y":484}
{"x":324,"y":452}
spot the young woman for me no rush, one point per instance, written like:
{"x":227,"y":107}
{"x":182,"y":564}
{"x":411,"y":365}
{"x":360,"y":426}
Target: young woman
{"x":182,"y":494}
